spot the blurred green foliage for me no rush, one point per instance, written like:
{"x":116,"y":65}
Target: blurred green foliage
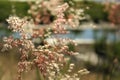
{"x":109,"y":53}
{"x":94,"y":9}
{"x":6,"y":9}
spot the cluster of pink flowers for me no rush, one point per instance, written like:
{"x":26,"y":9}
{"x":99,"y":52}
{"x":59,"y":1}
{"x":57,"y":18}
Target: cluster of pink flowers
{"x":44,"y":9}
{"x":16,"y":24}
{"x":47,"y":57}
{"x":58,"y":23}
{"x":114,"y":14}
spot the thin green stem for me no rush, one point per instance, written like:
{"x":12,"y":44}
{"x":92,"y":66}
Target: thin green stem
{"x":39,"y":76}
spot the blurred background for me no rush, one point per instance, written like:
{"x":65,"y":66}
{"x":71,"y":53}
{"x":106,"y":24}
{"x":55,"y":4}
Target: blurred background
{"x":98,"y":38}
